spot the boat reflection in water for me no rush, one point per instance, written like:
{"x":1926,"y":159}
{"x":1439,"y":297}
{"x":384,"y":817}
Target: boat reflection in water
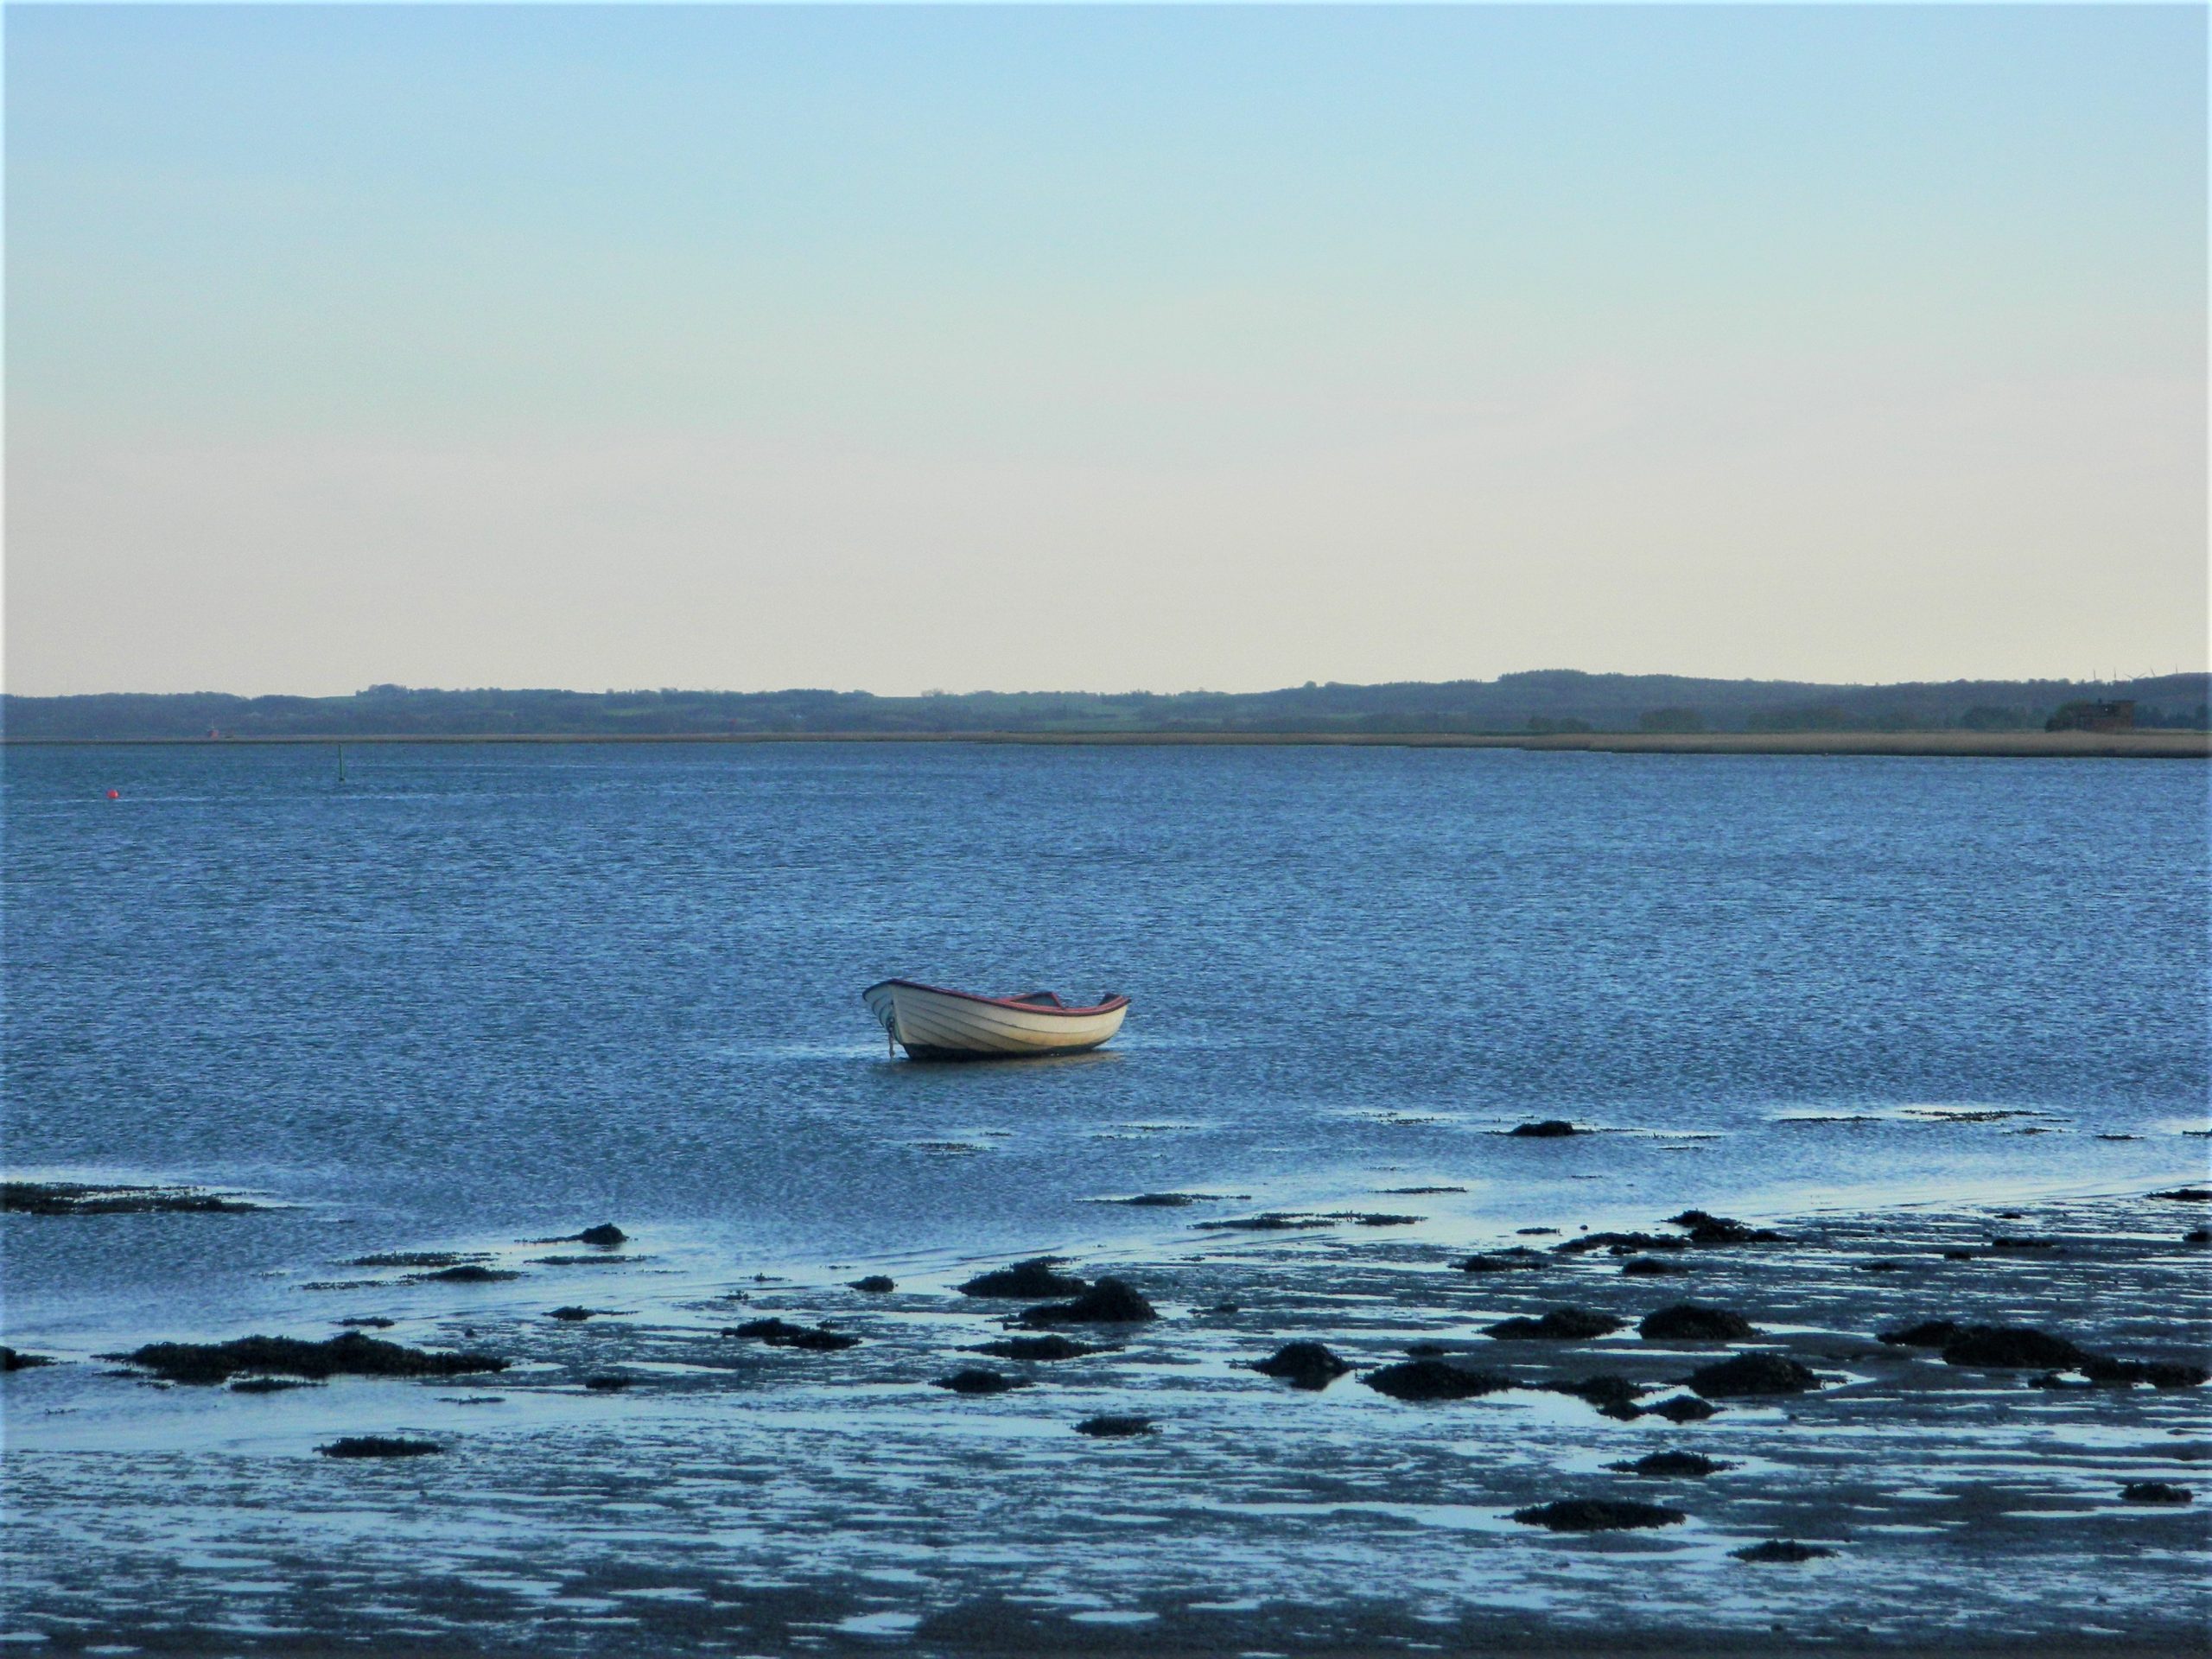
{"x":932,"y":1023}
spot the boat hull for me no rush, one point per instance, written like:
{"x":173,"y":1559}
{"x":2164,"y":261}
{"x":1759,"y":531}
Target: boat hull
{"x":932,"y":1023}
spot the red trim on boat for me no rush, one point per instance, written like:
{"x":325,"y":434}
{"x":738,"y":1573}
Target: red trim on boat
{"x":1106,"y":1007}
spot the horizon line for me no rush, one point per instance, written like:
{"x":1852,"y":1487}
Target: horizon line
{"x":390,"y":687}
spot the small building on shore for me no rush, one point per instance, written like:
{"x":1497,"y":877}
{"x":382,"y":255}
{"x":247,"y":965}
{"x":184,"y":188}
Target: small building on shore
{"x":2117,"y":716}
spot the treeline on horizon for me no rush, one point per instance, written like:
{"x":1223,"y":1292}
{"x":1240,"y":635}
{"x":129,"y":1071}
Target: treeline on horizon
{"x":1548,"y":701}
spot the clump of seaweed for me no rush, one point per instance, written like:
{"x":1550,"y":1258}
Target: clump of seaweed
{"x":978,"y":1379}
{"x":607,"y":1236}
{"x":379,"y":1446}
{"x":1619,"y":1243}
{"x":1614,"y":1396}
{"x":1671,"y":1465}
{"x":86,"y":1199}
{"x":1038,"y":1276}
{"x":1693,"y":1322}
{"x":1107,"y":1426}
{"x":1304,"y":1364}
{"x":1598,"y":1514}
{"x":782,"y":1334}
{"x":351,"y":1355}
{"x":1110,"y":1301}
{"x":1781,"y":1550}
{"x":1271,"y":1221}
{"x":1519,"y":1258}
{"x":1707,"y":1228}
{"x":2000,"y":1346}
{"x":417,"y":1259}
{"x":1039,"y":1348}
{"x":1747,"y":1375}
{"x":1560,"y":1324}
{"x":1426,"y":1380}
{"x":2155,"y":1492}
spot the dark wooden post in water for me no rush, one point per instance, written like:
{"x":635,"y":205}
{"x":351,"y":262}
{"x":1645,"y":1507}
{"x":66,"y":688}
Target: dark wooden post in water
{"x":341,"y":763}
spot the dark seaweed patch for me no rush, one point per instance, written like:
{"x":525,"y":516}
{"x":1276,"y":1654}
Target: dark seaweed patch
{"x":782,"y":1334}
{"x":1519,"y":1257}
{"x":1039,"y":1276}
{"x":1781,"y":1550}
{"x":1434,"y":1379}
{"x":2158,"y":1373}
{"x":417,"y":1259}
{"x":351,"y":1355}
{"x":1692,"y":1322}
{"x":1039,"y":1348}
{"x":1108,"y":1427}
{"x":1682,"y":1408}
{"x":1929,"y":1333}
{"x":1615,"y":1396}
{"x":379,"y":1446}
{"x":2000,"y":1347}
{"x":1749,"y":1375}
{"x":1598,"y":1514}
{"x":1672,"y":1465}
{"x":1559,"y":1325}
{"x":1706,"y":1229}
{"x":1110,"y":1301}
{"x":1274,"y":1221}
{"x":977,"y":1379}
{"x":1303,"y":1364}
{"x":1170,"y":1200}
{"x":1619,"y":1243}
{"x":84,"y":1199}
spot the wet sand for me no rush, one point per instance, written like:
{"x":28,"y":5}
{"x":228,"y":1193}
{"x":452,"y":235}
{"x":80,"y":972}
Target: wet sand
{"x":747,"y":1496}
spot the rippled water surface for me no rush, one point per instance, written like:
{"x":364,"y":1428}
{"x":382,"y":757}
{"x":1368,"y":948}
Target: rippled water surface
{"x":475,"y":995}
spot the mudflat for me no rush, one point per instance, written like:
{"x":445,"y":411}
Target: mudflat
{"x":1958,"y":1430}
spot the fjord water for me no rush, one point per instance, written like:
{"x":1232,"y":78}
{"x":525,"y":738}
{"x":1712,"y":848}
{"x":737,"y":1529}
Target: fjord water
{"x":475,"y":992}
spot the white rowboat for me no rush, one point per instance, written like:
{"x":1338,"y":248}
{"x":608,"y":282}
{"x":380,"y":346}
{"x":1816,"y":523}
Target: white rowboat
{"x":934,"y":1024}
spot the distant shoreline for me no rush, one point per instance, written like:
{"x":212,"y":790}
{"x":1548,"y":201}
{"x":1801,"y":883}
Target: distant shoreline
{"x":2157,"y":745}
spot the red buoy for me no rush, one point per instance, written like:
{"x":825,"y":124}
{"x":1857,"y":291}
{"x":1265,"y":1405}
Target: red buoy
{"x":115,"y":794}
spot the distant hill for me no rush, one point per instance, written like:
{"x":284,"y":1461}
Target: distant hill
{"x":1553,"y":700}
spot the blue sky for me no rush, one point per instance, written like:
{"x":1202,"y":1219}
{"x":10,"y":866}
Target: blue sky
{"x":1103,"y":346}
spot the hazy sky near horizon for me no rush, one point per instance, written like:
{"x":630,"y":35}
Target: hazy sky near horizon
{"x":1100,"y":347}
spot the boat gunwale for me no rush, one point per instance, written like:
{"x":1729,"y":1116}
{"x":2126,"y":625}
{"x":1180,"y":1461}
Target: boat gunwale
{"x":1106,"y":1007}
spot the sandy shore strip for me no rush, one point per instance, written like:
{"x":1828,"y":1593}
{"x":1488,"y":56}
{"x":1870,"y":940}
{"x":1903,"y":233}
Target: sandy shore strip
{"x":2050,"y":746}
